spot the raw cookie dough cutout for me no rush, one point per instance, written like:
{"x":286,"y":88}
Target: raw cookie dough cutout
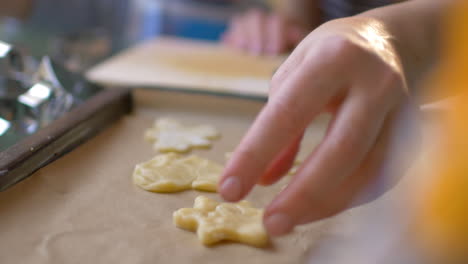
{"x":167,"y":173}
{"x":168,"y":135}
{"x":215,"y":222}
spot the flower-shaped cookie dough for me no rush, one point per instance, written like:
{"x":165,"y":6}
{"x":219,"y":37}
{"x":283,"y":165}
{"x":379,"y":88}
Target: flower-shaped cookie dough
{"x":173,"y":173}
{"x":168,"y":135}
{"x":215,"y":222}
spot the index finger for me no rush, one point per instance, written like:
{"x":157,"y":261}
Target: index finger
{"x":282,"y":120}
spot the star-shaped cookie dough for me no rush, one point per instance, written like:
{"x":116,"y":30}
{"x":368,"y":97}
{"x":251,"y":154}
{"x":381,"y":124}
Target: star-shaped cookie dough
{"x":168,"y":135}
{"x":215,"y":222}
{"x":173,"y":172}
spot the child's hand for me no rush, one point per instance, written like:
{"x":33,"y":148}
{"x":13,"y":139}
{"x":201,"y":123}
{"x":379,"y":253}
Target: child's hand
{"x":350,"y":68}
{"x":260,"y":33}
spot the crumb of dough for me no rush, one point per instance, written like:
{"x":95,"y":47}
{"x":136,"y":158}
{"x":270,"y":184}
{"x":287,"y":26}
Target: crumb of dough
{"x":215,"y":222}
{"x":295,"y":167}
{"x":168,"y":135}
{"x":173,"y":172}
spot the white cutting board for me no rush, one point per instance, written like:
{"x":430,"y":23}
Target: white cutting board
{"x":187,"y":64}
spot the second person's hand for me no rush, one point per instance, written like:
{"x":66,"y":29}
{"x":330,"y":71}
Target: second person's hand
{"x":261,"y":33}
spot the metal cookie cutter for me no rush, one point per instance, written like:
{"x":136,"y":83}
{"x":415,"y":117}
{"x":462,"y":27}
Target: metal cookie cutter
{"x":46,"y":111}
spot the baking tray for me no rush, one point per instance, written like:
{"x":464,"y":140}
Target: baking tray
{"x":61,"y":136}
{"x":83,"y":208}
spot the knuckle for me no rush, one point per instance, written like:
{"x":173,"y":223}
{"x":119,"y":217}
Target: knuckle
{"x":340,"y":47}
{"x":285,"y":70}
{"x":389,"y":89}
{"x":392,"y":78}
{"x":335,"y":52}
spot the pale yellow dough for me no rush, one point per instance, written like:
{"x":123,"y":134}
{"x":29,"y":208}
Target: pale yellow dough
{"x":215,"y":222}
{"x":173,"y":172}
{"x":295,"y":167}
{"x":168,"y":135}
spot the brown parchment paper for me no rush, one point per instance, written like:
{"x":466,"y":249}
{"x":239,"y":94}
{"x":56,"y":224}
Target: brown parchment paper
{"x":84,"y":208}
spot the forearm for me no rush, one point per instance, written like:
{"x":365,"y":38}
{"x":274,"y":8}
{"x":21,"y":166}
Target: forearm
{"x":18,"y":8}
{"x":414,"y":28}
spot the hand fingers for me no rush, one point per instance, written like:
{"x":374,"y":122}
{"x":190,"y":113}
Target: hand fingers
{"x":282,"y":164}
{"x":293,"y":62}
{"x":277,"y":42}
{"x":283,"y":119}
{"x":235,"y":35}
{"x":297,"y":60}
{"x":260,"y":33}
{"x":392,"y":156}
{"x":254,"y":26}
{"x":384,"y":164}
{"x":351,"y":136}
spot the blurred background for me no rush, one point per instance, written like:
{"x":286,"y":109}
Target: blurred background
{"x":74,"y":35}
{"x":80,"y":33}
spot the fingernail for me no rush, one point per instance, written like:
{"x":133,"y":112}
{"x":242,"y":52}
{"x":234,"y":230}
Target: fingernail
{"x":231,"y":189}
{"x":279,"y":224}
